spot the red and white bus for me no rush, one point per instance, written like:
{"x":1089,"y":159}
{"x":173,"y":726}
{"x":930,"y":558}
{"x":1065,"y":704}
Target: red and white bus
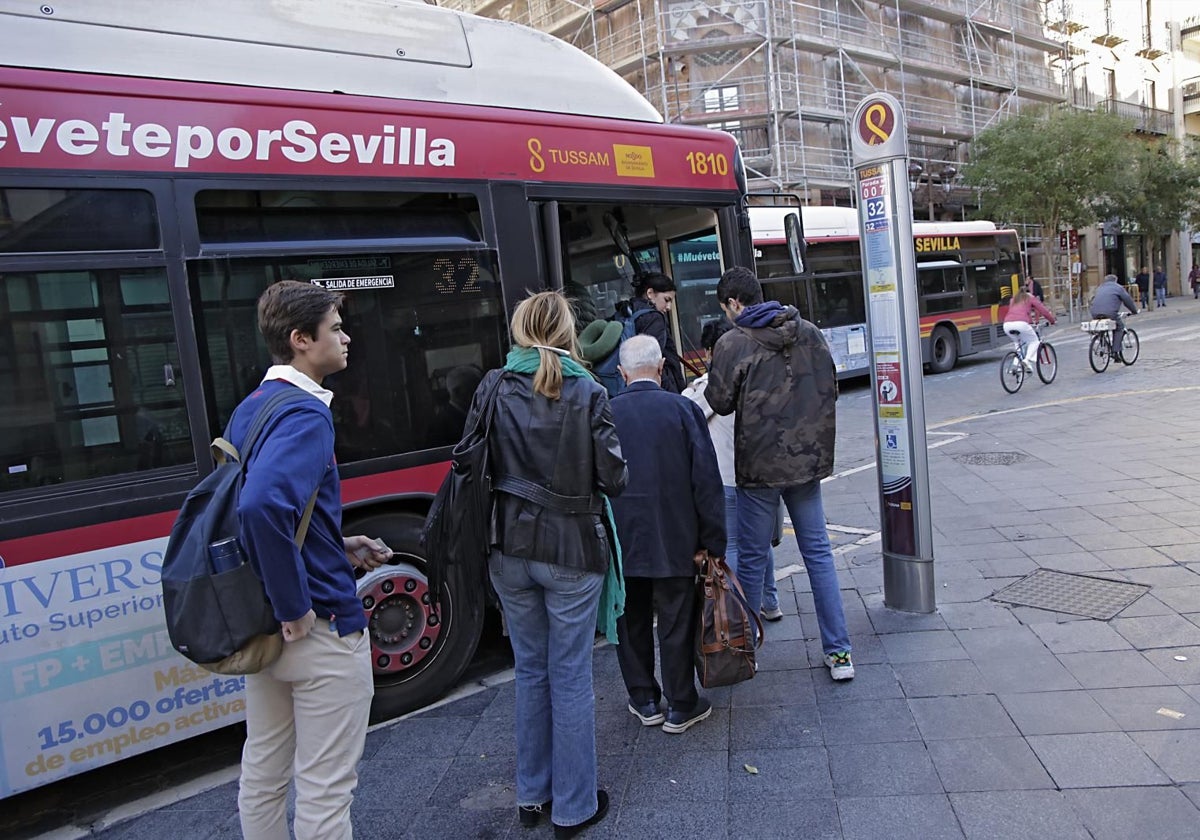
{"x":432,"y":165}
{"x":964,"y":270}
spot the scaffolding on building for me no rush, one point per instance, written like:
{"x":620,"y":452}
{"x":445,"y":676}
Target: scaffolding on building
{"x":785,"y":76}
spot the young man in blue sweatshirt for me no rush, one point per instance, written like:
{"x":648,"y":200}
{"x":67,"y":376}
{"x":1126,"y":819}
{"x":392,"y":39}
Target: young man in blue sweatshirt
{"x":306,"y":713}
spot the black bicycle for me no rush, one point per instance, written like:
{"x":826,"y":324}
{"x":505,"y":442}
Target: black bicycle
{"x":1100,"y":351}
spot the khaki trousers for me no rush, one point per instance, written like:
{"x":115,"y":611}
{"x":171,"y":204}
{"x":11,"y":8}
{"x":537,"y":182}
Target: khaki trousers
{"x":306,"y":719}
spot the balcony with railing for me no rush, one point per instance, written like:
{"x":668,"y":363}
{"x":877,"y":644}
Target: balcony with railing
{"x":1190,"y":88}
{"x":1144,"y":118}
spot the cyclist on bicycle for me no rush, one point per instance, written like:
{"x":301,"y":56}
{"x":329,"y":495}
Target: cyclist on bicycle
{"x":1018,"y":322}
{"x":1106,"y":303}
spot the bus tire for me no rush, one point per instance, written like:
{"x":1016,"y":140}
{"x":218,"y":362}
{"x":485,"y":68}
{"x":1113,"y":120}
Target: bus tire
{"x":943,"y":350}
{"x":399,"y":624}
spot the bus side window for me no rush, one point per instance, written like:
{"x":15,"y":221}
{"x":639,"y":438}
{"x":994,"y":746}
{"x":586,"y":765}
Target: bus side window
{"x":425,"y":317}
{"x":88,"y":359}
{"x":89,"y":365}
{"x":411,"y":341}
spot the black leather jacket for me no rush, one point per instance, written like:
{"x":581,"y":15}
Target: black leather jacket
{"x":568,"y":447}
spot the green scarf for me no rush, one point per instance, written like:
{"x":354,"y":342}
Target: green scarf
{"x":529,"y":359}
{"x":612,"y":596}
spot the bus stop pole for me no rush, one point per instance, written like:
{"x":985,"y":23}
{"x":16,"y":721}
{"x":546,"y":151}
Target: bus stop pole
{"x":880,"y":146}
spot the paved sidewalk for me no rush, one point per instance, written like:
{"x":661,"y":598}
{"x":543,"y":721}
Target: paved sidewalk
{"x":984,"y":720}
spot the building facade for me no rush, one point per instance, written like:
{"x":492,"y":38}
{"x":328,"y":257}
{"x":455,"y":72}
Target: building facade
{"x":785,"y":77}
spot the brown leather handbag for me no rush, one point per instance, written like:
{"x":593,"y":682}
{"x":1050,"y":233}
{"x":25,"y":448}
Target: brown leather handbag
{"x":728,"y":632}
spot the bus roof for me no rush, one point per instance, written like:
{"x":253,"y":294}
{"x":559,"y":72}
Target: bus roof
{"x":383,"y":48}
{"x":766,"y":223}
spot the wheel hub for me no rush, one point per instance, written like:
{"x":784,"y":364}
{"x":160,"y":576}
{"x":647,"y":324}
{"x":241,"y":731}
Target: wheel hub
{"x":403,"y":625}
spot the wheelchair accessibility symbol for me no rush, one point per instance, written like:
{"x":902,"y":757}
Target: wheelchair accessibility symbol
{"x":890,"y":441}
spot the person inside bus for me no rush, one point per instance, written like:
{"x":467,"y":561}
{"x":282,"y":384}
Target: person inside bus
{"x":449,"y":418}
{"x":554,"y":451}
{"x":1106,"y":303}
{"x":1018,"y":322}
{"x":720,"y":429}
{"x":655,"y":293}
{"x":306,"y":713}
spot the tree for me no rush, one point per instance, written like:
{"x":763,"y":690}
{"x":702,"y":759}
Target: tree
{"x":1162,"y":193}
{"x":1054,"y":167}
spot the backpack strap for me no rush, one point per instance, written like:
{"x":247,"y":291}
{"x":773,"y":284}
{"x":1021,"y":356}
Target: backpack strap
{"x":223,"y":451}
{"x":302,"y":531}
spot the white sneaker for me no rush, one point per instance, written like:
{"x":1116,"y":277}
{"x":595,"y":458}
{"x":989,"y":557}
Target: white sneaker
{"x":840,"y":666}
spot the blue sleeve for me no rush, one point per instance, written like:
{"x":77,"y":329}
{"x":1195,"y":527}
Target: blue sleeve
{"x":288,"y":466}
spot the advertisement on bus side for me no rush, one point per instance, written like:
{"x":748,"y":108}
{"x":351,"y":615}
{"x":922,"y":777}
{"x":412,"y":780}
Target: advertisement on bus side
{"x":88,"y":672}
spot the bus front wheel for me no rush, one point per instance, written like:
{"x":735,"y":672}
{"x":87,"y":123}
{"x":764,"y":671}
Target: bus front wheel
{"x":419,"y":648}
{"x":943,"y":350}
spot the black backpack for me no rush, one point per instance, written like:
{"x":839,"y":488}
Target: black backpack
{"x":214,"y":615}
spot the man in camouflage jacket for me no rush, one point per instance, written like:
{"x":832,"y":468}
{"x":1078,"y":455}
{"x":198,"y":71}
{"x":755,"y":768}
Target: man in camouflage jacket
{"x":775,"y":370}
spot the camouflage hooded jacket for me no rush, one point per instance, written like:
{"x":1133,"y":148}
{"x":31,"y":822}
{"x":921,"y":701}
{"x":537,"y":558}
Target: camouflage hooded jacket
{"x":780,"y":380}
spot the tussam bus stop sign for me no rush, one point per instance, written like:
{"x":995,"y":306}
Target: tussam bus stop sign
{"x":880,"y":147}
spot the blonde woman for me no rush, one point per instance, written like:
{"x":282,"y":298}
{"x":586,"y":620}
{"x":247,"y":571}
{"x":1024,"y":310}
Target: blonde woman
{"x":553,"y":451}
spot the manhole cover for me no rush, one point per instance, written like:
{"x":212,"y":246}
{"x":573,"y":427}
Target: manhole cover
{"x":1065,"y":592}
{"x":991,"y":459}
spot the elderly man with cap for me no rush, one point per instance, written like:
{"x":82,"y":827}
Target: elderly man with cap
{"x":598,"y":344}
{"x":673,"y":508}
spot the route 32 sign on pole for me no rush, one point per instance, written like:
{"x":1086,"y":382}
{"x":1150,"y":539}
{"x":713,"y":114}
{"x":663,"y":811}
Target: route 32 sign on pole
{"x":880,"y":148}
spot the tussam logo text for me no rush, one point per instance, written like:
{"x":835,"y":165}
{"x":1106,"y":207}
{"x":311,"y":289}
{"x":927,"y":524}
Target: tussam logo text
{"x":298,"y":141}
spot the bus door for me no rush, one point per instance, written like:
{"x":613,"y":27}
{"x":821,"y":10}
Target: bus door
{"x":600,"y":248}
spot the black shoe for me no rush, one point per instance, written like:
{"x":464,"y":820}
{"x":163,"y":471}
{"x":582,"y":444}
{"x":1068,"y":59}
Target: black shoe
{"x":648,"y":713}
{"x":530,"y":815}
{"x":564,"y":832}
{"x":683,"y":721}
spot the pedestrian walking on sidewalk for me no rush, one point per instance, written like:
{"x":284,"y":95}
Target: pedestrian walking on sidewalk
{"x":1160,"y":287}
{"x":1142,"y":278}
{"x":671,"y":512}
{"x":1194,"y":280}
{"x":776,"y":371}
{"x":553,"y":452}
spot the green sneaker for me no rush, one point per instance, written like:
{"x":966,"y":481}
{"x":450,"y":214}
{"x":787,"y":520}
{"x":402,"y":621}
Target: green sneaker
{"x":840,"y":666}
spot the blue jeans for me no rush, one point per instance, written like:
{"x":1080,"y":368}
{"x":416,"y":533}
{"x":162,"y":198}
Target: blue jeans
{"x":550,"y":612}
{"x":770,"y":596}
{"x":757,"y":507}
{"x":1160,"y":296}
